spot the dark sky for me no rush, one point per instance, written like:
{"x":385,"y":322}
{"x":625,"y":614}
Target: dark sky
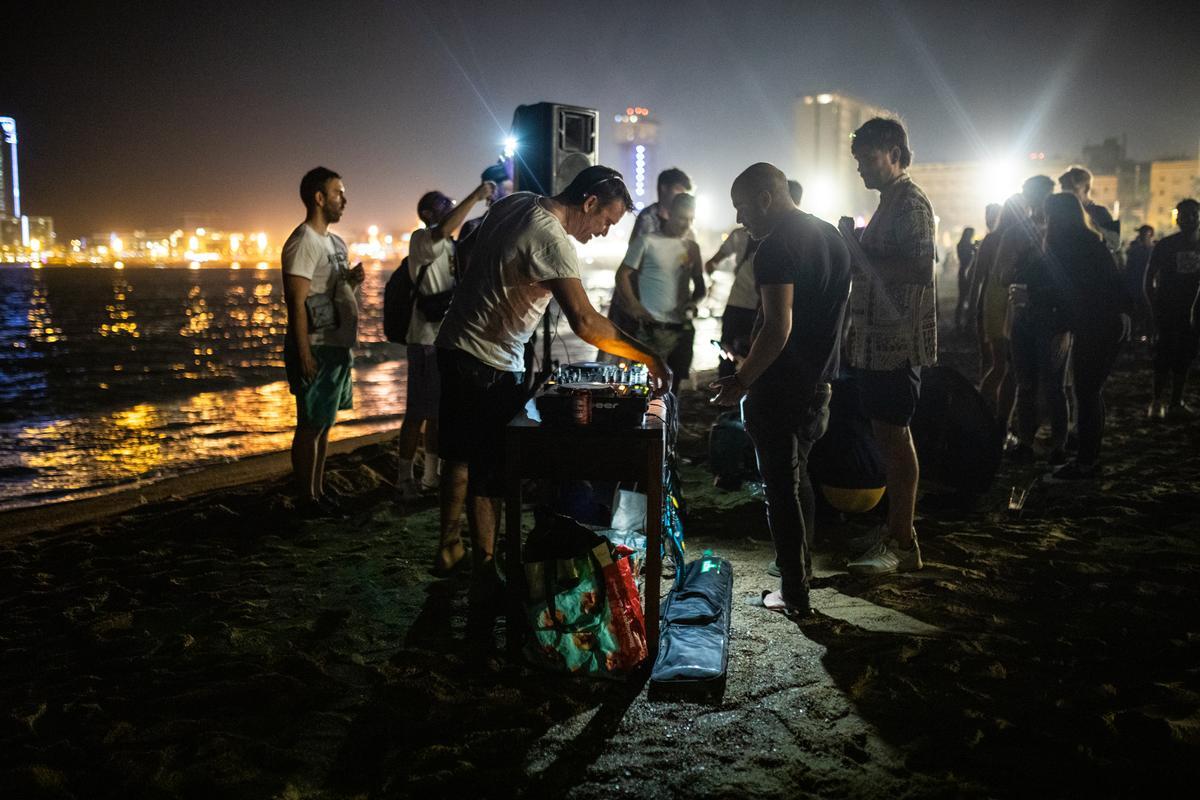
{"x":133,"y":113}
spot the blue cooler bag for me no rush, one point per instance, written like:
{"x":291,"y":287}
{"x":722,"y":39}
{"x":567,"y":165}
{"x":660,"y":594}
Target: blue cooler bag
{"x":693,"y":648}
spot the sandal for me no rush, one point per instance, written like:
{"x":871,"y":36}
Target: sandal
{"x":789,"y":611}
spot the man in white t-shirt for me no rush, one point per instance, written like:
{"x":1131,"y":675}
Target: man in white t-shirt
{"x":661,"y":302}
{"x":322,"y":307}
{"x":671,"y":182}
{"x":521,"y":258}
{"x":431,"y":261}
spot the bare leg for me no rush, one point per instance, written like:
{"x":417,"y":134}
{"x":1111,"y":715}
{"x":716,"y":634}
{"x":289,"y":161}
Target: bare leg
{"x":453,"y":499}
{"x":903,"y":473}
{"x":318,"y":482}
{"x":483,"y":514}
{"x":304,"y":460}
{"x":406,"y":445}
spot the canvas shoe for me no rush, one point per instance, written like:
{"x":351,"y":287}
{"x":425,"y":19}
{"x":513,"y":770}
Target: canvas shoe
{"x":887,"y":557}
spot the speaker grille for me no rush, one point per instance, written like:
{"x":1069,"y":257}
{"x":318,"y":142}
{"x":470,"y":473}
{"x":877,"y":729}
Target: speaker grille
{"x":570,"y":166}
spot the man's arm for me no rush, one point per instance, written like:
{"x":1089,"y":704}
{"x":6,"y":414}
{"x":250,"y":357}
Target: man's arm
{"x":1150,"y":281}
{"x":699,"y":289}
{"x":727,"y":248}
{"x":589,"y":325}
{"x":295,"y":290}
{"x":767,"y":345}
{"x":627,"y":291}
{"x":458,"y":214}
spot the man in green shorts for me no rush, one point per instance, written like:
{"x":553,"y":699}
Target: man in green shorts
{"x":322,"y":307}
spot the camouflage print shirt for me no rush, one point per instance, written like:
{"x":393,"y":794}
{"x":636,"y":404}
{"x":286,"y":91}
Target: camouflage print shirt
{"x":903,"y":332}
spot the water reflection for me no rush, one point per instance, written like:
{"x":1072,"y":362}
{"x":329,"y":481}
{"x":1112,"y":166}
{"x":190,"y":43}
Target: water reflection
{"x":108,"y":376}
{"x":145,"y":441}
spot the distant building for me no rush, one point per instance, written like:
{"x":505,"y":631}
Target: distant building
{"x":1170,"y":182}
{"x":12,"y":227}
{"x":637,"y":153}
{"x":959,"y":190}
{"x":42,"y":237}
{"x":824,"y":124}
{"x":10,"y":183}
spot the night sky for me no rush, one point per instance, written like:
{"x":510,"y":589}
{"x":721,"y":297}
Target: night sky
{"x":134,"y":113}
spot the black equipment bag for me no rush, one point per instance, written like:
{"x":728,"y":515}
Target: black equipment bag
{"x":399,"y":297}
{"x":730,"y":451}
{"x":402,"y":295}
{"x":693,"y":648}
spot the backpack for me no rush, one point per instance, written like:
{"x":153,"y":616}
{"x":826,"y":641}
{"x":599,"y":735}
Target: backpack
{"x":401,"y":296}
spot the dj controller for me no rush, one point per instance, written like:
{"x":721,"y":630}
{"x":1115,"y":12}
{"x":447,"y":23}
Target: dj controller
{"x":596,"y":394}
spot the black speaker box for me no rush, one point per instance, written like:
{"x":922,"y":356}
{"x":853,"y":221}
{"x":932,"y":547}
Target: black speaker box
{"x":555,"y":142}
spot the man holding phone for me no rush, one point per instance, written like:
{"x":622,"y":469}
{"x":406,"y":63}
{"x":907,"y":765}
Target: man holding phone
{"x":322,"y":328}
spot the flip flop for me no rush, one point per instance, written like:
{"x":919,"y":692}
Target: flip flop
{"x":791,"y":612}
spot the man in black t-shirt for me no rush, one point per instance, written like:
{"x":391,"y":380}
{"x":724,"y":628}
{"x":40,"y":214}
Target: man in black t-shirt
{"x":802,"y":269}
{"x":1173,"y":288}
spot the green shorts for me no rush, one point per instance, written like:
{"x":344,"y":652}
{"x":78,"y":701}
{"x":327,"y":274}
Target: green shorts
{"x":318,"y":401}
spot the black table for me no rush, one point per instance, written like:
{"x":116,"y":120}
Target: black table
{"x":583,"y":452}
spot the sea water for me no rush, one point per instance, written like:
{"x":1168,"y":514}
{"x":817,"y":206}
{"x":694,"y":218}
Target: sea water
{"x":110,"y":377}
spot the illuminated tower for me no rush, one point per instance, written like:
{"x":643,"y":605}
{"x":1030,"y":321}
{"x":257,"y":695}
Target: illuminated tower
{"x":10,"y":180}
{"x":637,"y":145}
{"x":824,"y":124}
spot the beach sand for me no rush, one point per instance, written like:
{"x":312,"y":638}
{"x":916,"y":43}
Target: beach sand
{"x":213,"y":646}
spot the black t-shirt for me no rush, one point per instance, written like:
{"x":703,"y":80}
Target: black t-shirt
{"x":810,"y":255}
{"x":1176,"y":265}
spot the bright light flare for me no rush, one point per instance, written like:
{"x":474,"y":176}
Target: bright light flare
{"x":510,"y":146}
{"x":1001,"y":179}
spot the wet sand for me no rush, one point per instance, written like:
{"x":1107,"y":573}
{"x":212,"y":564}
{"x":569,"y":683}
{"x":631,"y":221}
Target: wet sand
{"x":216,"y":646}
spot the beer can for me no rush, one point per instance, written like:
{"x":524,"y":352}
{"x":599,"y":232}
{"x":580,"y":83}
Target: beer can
{"x":581,"y":408}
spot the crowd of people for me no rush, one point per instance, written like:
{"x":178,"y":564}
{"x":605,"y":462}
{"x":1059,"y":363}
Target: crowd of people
{"x":1053,"y":299}
{"x":808,"y":301}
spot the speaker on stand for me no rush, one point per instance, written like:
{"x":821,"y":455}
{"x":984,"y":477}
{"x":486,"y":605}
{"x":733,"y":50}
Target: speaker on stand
{"x":554,"y":142}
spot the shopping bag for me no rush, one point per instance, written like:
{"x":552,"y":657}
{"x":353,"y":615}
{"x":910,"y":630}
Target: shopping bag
{"x":625,"y":605}
{"x":576,"y":625}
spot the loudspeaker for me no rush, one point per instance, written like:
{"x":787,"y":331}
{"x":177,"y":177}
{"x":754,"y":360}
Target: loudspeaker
{"x":554,"y":143}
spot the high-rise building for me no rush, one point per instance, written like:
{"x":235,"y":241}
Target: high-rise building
{"x":637,"y":151}
{"x":10,"y":183}
{"x":824,"y":166}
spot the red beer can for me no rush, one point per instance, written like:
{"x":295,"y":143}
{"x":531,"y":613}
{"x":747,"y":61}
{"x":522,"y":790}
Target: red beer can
{"x":581,"y":407}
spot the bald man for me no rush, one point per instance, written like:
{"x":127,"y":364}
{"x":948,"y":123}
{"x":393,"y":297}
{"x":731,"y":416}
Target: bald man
{"x":802,"y":270}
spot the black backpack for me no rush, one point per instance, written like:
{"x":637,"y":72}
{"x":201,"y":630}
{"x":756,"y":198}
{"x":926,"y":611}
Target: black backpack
{"x":401,"y":295}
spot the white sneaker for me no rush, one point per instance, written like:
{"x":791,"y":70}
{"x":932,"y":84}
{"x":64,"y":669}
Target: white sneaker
{"x":887,"y":557}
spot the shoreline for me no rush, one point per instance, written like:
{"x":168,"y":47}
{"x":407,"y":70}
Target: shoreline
{"x":19,"y":522}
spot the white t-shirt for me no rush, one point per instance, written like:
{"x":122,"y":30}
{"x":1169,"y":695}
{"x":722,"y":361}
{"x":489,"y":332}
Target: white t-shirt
{"x":743,"y":293}
{"x":663,"y":271}
{"x":322,"y":259}
{"x":501,"y":298}
{"x":439,"y":255}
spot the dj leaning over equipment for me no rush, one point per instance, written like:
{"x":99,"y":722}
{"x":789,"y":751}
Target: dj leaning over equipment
{"x":521,"y":257}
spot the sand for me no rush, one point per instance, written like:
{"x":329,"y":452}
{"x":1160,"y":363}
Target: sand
{"x":215,"y":646}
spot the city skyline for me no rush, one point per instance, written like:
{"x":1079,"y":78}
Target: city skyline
{"x":154,"y":113}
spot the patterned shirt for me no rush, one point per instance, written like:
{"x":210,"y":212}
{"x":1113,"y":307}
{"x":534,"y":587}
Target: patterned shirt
{"x":902,"y":333}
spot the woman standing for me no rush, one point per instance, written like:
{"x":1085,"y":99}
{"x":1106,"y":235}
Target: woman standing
{"x":1085,"y":278}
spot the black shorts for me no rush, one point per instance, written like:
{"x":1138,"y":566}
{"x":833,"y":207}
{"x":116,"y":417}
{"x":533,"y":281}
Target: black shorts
{"x":889,"y":395}
{"x":477,"y":403}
